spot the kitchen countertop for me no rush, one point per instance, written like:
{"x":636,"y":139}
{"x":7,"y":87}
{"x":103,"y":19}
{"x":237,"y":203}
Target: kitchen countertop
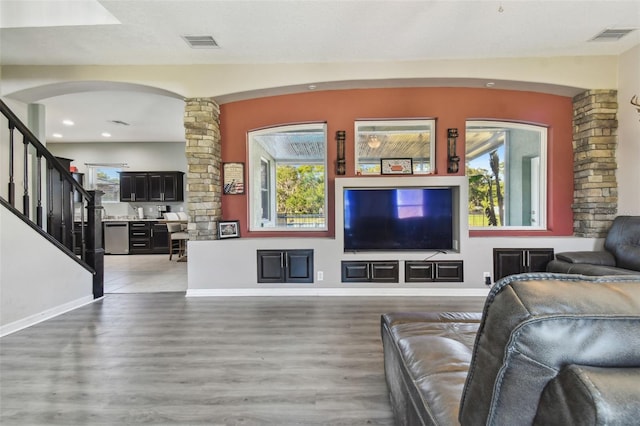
{"x":130,"y":219}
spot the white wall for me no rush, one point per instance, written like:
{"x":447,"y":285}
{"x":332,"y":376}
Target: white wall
{"x":220,"y":80}
{"x":140,"y":156}
{"x":229,"y":267}
{"x":37,"y":280}
{"x":628,"y":151}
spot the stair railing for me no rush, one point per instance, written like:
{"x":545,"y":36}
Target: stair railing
{"x":66,"y":200}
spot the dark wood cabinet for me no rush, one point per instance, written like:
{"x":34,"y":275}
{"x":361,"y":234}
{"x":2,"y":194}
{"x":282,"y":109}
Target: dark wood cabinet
{"x":159,"y":238}
{"x":285,"y":266}
{"x":508,"y":261}
{"x":433,"y":271}
{"x":166,"y":186}
{"x":151,"y":186}
{"x":134,"y":186}
{"x":148,"y":237}
{"x":139,"y":237}
{"x":383,"y":271}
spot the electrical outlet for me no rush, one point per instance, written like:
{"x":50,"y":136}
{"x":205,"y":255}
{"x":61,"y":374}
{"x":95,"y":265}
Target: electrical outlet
{"x":486,"y":276}
{"x":320,"y":275}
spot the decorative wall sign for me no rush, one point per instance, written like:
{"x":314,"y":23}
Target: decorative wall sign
{"x":233,"y":178}
{"x":396,"y":166}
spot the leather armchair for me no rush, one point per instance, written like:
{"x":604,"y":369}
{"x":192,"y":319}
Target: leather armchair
{"x":520,"y":361}
{"x":621,"y":254}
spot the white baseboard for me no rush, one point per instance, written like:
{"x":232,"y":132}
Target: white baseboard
{"x":433,"y":292}
{"x":45,"y":315}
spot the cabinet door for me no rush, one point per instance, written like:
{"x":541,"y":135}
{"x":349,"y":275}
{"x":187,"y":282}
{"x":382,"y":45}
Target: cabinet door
{"x":418,"y":271}
{"x":355,"y":271}
{"x":159,"y":238}
{"x":299,"y":266}
{"x":127,"y":190}
{"x":172,"y":184}
{"x":385,"y":271}
{"x":538,"y":259}
{"x":449,"y":271}
{"x":133,"y":187}
{"x":507,"y":262}
{"x":270,"y":266}
{"x":156,"y":187}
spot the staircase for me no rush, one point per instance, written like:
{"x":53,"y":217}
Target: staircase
{"x":43,"y":194}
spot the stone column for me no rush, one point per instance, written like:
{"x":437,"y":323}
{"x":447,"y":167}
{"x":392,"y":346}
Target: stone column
{"x":203,"y":151}
{"x":595,"y":199}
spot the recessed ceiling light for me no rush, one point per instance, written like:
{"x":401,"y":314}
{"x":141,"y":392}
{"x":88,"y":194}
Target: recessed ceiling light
{"x":312,"y":87}
{"x":57,"y":135}
{"x":490,"y":84}
{"x":106,"y":134}
{"x":68,"y":122}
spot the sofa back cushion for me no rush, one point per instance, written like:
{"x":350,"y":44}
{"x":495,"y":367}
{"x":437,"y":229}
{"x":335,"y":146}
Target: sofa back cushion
{"x":532,"y":326}
{"x":623,"y":241}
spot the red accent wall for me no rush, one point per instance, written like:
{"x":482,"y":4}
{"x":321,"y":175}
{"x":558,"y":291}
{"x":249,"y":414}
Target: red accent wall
{"x":451,"y":107}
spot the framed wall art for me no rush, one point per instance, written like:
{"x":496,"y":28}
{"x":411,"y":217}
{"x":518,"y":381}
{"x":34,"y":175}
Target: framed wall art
{"x":228,"y":229}
{"x":233,"y":178}
{"x":396,"y":166}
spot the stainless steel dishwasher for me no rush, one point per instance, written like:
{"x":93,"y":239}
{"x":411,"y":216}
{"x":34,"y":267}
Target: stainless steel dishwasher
{"x":116,"y":237}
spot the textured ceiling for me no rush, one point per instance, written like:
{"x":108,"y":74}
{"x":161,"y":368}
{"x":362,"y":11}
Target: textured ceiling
{"x":117,"y":32}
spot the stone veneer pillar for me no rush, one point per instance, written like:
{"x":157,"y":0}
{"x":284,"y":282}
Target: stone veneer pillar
{"x":595,"y":199}
{"x":203,"y":151}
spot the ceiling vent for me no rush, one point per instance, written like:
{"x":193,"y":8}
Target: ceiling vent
{"x":201,"y":42}
{"x":611,"y":34}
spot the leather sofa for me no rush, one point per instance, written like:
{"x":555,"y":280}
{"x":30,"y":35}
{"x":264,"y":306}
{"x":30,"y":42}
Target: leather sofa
{"x":548,"y":349}
{"x":621,"y":254}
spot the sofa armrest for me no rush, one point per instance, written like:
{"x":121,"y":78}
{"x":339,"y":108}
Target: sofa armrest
{"x":585,"y":395}
{"x":602,"y":258}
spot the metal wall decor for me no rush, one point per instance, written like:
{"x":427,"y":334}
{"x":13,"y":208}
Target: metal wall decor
{"x":453,"y":161}
{"x":341,"y":168}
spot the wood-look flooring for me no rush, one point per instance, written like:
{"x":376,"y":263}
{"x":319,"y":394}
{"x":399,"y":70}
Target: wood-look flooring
{"x":166,"y":359}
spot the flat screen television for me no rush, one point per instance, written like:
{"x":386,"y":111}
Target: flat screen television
{"x":388,"y":219}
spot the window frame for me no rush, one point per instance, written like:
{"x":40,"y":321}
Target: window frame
{"x":92,"y":176}
{"x":254,"y":200}
{"x":543,"y":192}
{"x":429,"y":122}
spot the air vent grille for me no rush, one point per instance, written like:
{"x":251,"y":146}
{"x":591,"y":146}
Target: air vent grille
{"x":611,"y":34}
{"x":201,"y":42}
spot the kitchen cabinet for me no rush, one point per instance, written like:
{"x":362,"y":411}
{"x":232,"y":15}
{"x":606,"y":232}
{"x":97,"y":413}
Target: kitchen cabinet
{"x":166,"y":186}
{"x":433,"y":271}
{"x":139,"y":237}
{"x":382,"y":271}
{"x":159,"y":238}
{"x":134,"y":186}
{"x":508,"y":261}
{"x":151,"y":186}
{"x":285,"y":266}
{"x":148,"y":237}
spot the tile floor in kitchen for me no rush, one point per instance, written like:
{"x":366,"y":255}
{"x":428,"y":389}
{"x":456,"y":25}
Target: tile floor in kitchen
{"x":144,"y":273}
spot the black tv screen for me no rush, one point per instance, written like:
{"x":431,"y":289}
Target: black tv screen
{"x":398,"y":219}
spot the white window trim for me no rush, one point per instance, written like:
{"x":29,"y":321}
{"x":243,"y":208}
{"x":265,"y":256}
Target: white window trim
{"x":409,"y":121}
{"x":543,"y":193}
{"x":252,"y":171}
